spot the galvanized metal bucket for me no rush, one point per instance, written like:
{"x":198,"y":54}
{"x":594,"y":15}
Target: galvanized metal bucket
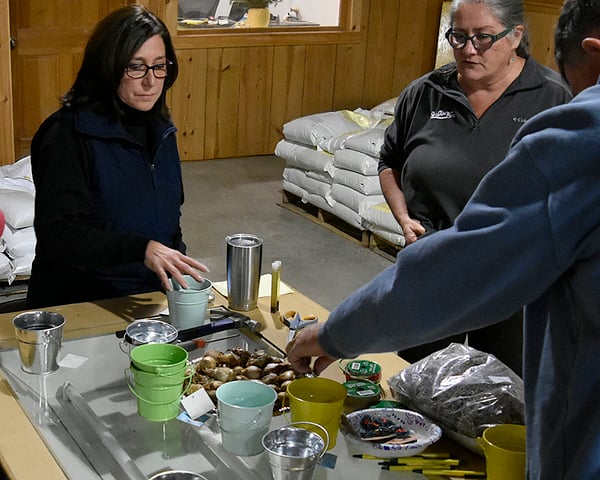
{"x":294,"y":452}
{"x":39,"y":338}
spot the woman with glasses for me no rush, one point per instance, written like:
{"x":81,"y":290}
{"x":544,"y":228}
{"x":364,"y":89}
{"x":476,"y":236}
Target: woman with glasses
{"x":107,"y":172}
{"x":455,"y":124}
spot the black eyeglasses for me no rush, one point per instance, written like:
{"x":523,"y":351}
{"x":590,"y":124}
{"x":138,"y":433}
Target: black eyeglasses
{"x":139,"y":70}
{"x":480,"y":41}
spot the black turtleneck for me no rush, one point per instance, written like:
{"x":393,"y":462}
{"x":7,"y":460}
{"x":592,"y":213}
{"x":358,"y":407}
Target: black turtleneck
{"x":139,"y":125}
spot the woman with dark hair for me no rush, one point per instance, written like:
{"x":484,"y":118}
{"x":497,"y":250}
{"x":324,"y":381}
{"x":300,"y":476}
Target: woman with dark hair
{"x":455,"y":124}
{"x":107,"y":172}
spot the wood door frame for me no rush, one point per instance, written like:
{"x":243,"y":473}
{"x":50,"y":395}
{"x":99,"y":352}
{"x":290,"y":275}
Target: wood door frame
{"x":7,"y":136}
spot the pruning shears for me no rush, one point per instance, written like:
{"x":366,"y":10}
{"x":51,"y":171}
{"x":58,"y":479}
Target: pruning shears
{"x":295,"y":322}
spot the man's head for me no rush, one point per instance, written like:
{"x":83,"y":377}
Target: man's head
{"x":577,"y":43}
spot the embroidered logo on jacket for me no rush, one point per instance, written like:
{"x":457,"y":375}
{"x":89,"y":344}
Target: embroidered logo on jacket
{"x":442,"y":115}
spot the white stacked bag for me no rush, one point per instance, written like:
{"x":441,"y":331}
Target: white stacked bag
{"x":331,"y":163}
{"x":17,"y":243}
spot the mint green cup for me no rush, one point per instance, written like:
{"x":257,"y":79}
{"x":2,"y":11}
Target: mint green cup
{"x":245,"y":409}
{"x":188,"y":307}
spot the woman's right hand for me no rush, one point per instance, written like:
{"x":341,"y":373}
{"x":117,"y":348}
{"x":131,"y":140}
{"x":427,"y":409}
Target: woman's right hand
{"x":412,"y":230}
{"x":165,"y":261}
{"x":390,"y":187}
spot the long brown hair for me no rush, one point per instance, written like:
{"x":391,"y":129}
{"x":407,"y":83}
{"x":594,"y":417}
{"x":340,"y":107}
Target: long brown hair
{"x":109,"y":50}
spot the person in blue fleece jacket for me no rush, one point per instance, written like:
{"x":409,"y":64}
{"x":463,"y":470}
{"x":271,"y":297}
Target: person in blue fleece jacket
{"x":529,"y":235}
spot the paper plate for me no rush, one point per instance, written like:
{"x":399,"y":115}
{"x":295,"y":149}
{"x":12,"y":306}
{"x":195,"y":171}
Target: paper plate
{"x":425,"y":431}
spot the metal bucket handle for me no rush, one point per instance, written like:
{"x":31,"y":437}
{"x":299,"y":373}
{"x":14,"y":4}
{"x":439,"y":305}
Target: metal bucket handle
{"x":137,"y":395}
{"x":130,"y":382}
{"x":50,"y":338}
{"x":123,"y":344}
{"x":254,"y":421}
{"x":320,"y":427}
{"x":166,"y":375}
{"x":46,"y":337}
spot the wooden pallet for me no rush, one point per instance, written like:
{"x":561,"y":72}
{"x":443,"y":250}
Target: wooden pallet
{"x":336,"y":225}
{"x":324,"y":218}
{"x":383,"y":247}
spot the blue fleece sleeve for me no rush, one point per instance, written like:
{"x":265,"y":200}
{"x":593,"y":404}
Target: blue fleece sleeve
{"x":474,"y":274}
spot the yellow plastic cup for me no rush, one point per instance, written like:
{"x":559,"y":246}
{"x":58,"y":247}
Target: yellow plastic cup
{"x":320,"y":401}
{"x":504,"y":447}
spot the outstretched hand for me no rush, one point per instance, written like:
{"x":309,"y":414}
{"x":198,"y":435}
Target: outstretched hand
{"x":165,"y":261}
{"x":303,"y":347}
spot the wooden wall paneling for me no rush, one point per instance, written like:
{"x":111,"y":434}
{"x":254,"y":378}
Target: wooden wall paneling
{"x":542,"y":20}
{"x":416,"y":41}
{"x":38,"y":89}
{"x":412,"y":57}
{"x":350,"y":77}
{"x":159,"y":7}
{"x":287,"y":91}
{"x":277,"y":79}
{"x":542,"y":29}
{"x":50,"y":39}
{"x":222,"y":102}
{"x":350,"y":69}
{"x":254,"y":114}
{"x":319,"y":77}
{"x":188,"y":103}
{"x":81,"y":13}
{"x":444,"y":52}
{"x":432,"y":24}
{"x":381,"y":51}
{"x":76,"y":61}
{"x":350,"y":14}
{"x":7,"y":146}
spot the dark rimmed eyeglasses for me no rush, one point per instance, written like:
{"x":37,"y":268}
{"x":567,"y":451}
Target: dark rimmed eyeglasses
{"x":480,"y":41}
{"x":140,"y":70}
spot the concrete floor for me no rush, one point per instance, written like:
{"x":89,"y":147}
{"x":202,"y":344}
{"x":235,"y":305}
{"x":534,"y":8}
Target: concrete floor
{"x":242,"y":195}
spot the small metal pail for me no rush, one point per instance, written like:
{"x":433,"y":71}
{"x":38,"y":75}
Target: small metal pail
{"x":39,"y":338}
{"x":294,"y":452}
{"x":142,"y":332}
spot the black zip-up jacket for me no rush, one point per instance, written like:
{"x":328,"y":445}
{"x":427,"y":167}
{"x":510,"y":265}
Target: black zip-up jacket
{"x":444,"y":150}
{"x":104,"y":189}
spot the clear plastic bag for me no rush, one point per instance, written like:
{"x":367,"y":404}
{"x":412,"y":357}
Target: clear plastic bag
{"x":462,"y":389}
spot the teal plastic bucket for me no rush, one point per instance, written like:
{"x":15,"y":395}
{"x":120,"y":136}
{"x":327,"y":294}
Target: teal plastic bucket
{"x":188,"y":306}
{"x":245,"y":409}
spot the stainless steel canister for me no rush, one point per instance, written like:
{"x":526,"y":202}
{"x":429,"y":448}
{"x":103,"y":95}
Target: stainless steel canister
{"x":39,"y":338}
{"x":244,"y":257}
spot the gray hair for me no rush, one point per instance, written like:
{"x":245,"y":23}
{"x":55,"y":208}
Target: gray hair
{"x":508,"y":12}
